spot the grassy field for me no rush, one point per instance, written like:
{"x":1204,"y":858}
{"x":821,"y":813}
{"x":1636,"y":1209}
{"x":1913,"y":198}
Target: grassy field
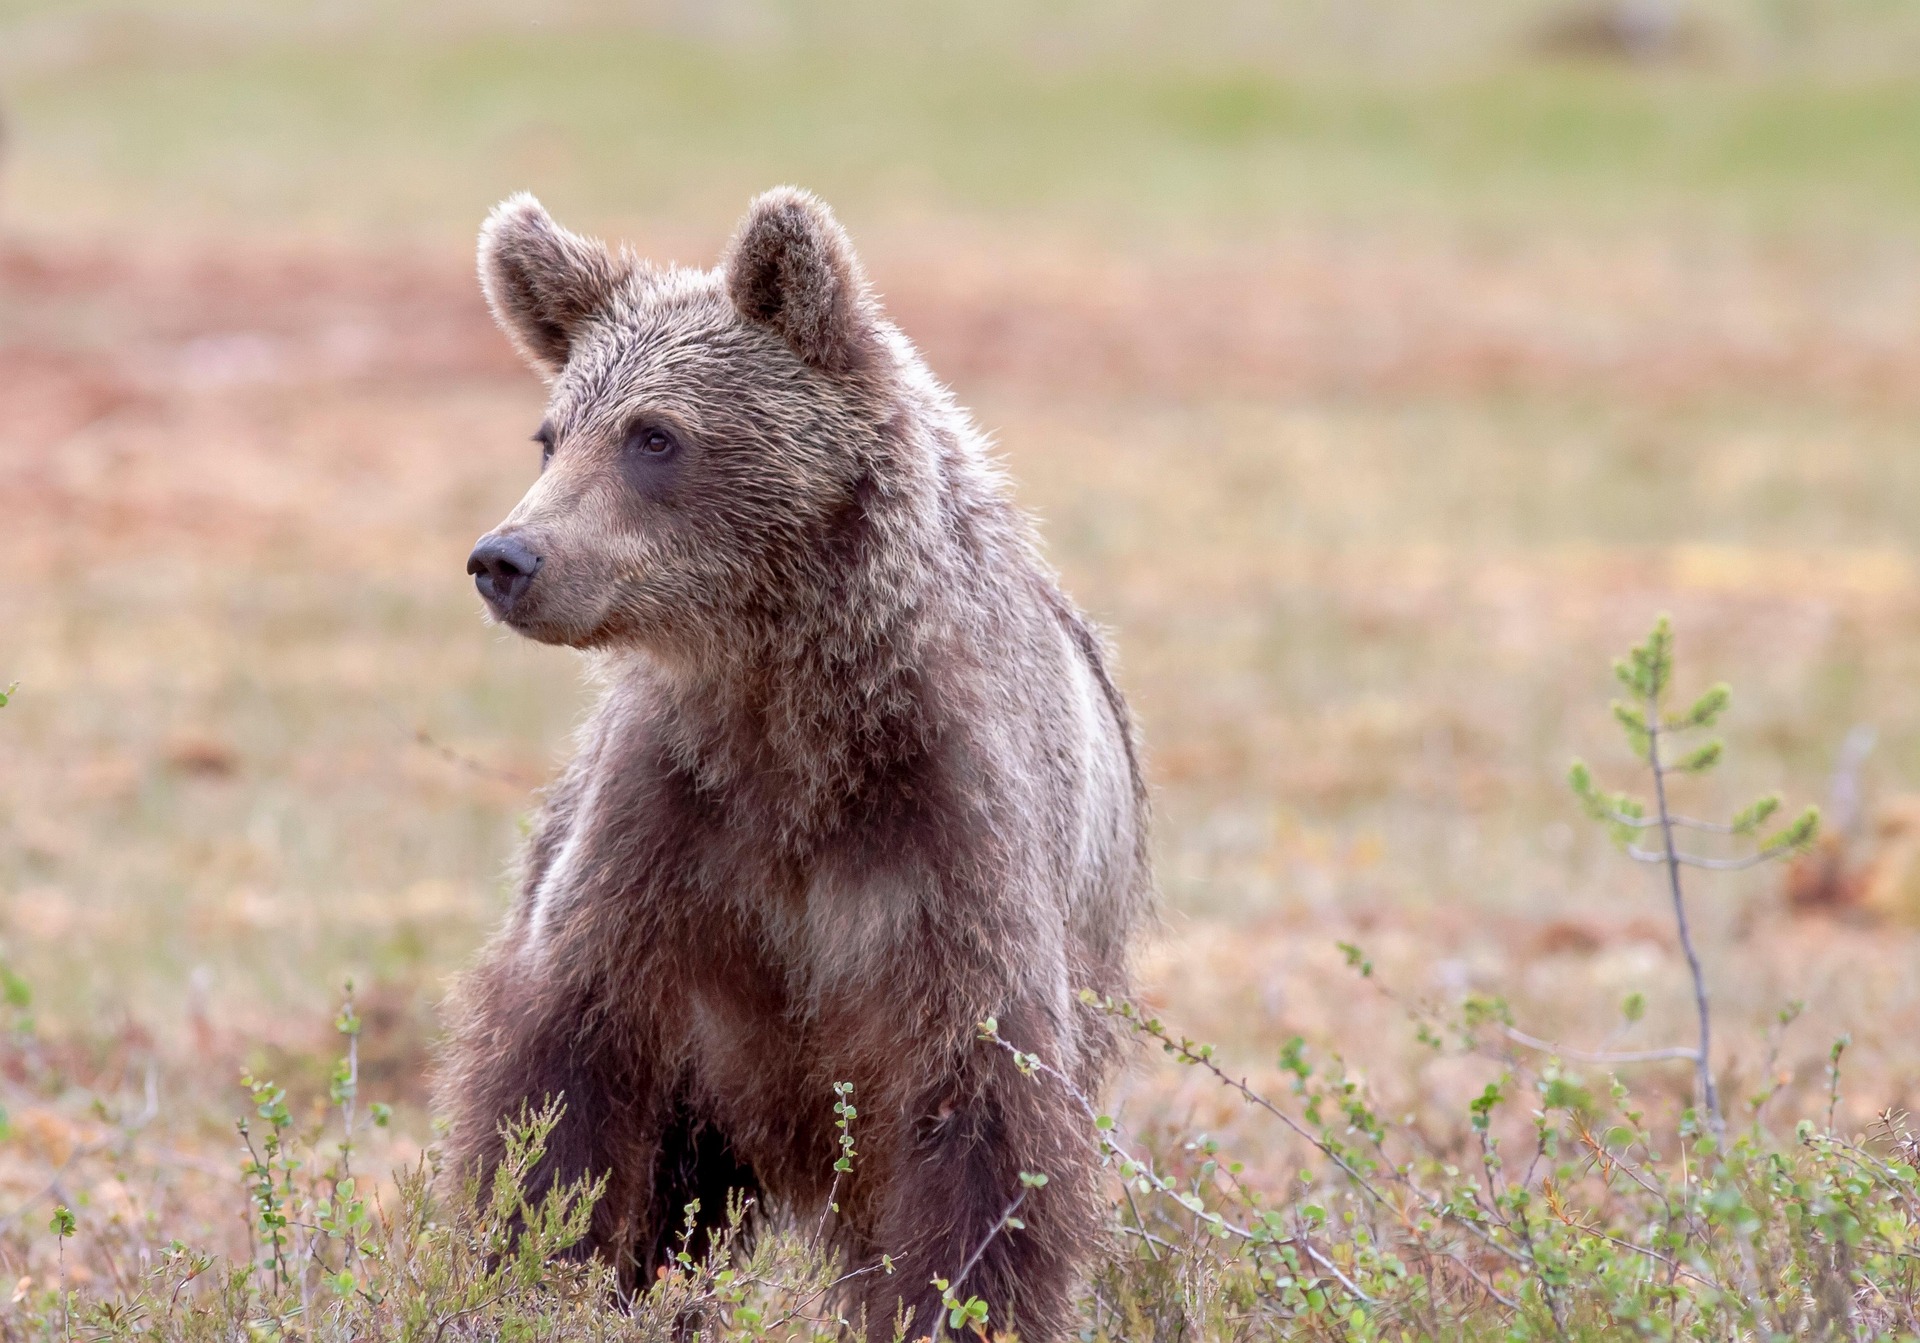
{"x":388,"y":125}
{"x":1376,"y":380}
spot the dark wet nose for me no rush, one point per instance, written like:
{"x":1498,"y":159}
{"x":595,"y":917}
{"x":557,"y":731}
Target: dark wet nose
{"x":502,"y":568}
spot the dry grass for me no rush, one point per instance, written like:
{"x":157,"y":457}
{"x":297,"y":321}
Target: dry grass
{"x":1368,"y":505}
{"x":1364,"y":632}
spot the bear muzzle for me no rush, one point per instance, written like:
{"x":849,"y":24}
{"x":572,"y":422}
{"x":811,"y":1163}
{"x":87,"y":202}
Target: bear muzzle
{"x":503,"y":570}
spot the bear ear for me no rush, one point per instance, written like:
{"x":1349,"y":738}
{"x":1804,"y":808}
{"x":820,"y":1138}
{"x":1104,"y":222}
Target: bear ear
{"x":542,"y":282}
{"x":792,"y":269}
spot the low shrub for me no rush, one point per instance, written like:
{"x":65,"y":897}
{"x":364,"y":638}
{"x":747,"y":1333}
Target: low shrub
{"x":1556,"y":1207}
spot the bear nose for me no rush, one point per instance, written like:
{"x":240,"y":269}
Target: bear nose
{"x":502,"y":569}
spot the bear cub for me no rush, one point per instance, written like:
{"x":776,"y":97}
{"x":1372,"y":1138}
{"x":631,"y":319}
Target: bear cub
{"x":857,"y":780}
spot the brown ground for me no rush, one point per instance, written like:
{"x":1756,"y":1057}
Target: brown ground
{"x":1367,"y":514}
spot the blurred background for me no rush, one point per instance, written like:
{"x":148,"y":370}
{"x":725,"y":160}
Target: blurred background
{"x":1377,"y":368}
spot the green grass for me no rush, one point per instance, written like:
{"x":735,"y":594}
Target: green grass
{"x":372,"y":130}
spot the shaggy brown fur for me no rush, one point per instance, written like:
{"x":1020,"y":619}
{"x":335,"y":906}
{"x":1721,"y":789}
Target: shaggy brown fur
{"x":858,"y":780}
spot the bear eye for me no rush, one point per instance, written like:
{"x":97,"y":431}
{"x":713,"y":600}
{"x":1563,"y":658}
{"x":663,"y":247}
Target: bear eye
{"x":544,"y":437}
{"x":650,"y":441}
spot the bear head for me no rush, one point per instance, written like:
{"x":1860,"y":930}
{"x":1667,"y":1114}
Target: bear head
{"x":708,"y":434}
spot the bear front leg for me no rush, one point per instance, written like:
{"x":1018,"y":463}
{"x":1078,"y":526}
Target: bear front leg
{"x":952,"y":1178}
{"x":521,"y":1041}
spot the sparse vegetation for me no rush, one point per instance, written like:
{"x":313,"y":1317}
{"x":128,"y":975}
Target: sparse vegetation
{"x":1558,"y":1206}
{"x":1375,"y":371}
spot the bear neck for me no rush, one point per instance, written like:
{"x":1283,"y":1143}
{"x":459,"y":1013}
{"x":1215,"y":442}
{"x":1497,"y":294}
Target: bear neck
{"x":803,"y":735}
{"x":806,"y":709}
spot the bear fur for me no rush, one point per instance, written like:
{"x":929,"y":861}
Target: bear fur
{"x":857,"y":780}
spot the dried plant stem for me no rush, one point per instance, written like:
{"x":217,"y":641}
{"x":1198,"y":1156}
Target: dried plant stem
{"x":1520,"y":1037}
{"x":1000,"y":1224}
{"x":1703,"y":1066}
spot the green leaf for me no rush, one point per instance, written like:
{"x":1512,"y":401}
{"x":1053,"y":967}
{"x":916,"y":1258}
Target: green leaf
{"x":1482,"y":1106}
{"x":1561,"y":1093}
{"x":1653,"y":660}
{"x":1634,"y":1007}
{"x":1756,"y":815}
{"x":1630,"y":717}
{"x":1580,"y":779}
{"x":1797,"y":835}
{"x":1293,"y":1058}
{"x":62,"y":1224}
{"x":1607,"y":808}
{"x":1478,"y":1009}
{"x":1705,"y":709}
{"x":1700,"y":759}
{"x":1592,"y":800}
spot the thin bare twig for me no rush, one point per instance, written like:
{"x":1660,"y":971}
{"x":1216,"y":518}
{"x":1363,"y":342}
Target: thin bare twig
{"x":1520,"y":1037}
{"x":445,"y":1320}
{"x":980,"y":1249}
{"x":458,"y":759}
{"x":1131,"y":1166}
{"x":1479,"y":1281}
{"x":1330,"y":1267}
{"x":1703,"y":1065}
{"x":1648,"y":822}
{"x":1708,"y":864}
{"x":1253,"y":1097}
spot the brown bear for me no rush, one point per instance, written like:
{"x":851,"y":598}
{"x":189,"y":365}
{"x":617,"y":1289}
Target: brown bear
{"x":858,"y":779}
